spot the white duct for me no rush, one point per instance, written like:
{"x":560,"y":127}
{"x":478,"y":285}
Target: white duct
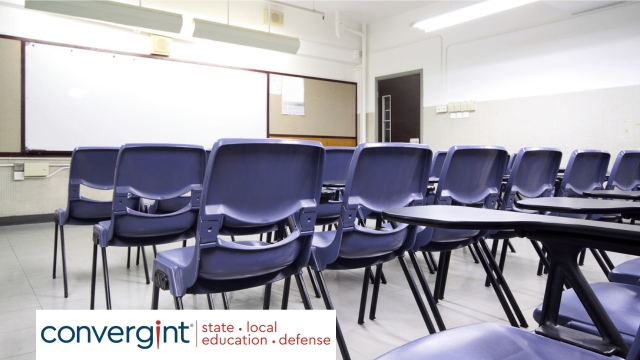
{"x":340,"y":29}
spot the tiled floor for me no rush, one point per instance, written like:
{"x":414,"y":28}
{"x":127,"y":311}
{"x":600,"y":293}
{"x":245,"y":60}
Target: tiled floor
{"x":26,"y":285}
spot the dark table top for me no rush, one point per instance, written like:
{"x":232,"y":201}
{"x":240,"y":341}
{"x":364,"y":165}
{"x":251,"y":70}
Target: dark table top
{"x":614,"y":194}
{"x":579,"y":205}
{"x":459,"y":217}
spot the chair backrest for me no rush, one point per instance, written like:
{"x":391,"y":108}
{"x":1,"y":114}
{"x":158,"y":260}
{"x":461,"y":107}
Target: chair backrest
{"x":257,"y":182}
{"x":93,"y":167}
{"x":585,"y":171}
{"x":511,"y":162}
{"x":156,"y":172}
{"x":472,"y":174}
{"x":381,"y":176}
{"x":249,"y":184}
{"x":533,"y":175}
{"x":387,"y":175}
{"x":336,"y":162}
{"x":436,"y":164}
{"x":625,"y":174}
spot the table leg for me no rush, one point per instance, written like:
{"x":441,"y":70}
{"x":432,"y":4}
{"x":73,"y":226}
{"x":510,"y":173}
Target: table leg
{"x":563,"y":253}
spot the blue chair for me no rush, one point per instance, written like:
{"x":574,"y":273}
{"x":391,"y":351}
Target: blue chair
{"x":434,"y":177}
{"x":381,"y":176}
{"x":512,"y":161}
{"x":625,"y":175}
{"x":93,"y":167}
{"x":436,"y":164}
{"x":250,"y":185}
{"x":586,"y":171}
{"x":494,"y":341}
{"x":471,"y":176}
{"x":533,"y":175}
{"x":620,"y":301}
{"x":156,"y":172}
{"x":336,"y":166}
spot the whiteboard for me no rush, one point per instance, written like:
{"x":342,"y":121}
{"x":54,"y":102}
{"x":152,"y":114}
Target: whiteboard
{"x":76,"y":97}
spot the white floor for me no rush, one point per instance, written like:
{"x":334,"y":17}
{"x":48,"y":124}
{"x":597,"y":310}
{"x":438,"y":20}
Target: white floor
{"x":26,"y":284}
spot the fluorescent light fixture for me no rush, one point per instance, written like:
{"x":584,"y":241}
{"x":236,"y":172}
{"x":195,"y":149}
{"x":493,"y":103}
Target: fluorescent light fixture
{"x":468,"y":13}
{"x":241,"y":36}
{"x":113,"y":12}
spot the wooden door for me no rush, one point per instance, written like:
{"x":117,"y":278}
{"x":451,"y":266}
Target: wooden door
{"x":399,"y":104}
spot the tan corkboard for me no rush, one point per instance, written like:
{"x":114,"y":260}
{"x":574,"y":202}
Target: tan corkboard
{"x":10,"y":95}
{"x":330,"y":110}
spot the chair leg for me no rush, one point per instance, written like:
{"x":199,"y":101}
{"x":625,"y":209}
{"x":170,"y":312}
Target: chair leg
{"x":267,"y":297}
{"x":496,"y":288}
{"x":128,"y":257}
{"x":445,"y":272}
{"x":428,"y":261}
{"x":363,"y":297}
{"x":225,"y":301}
{"x":184,"y":243}
{"x":285,"y":293}
{"x":473,"y":255}
{"x":105,"y":270}
{"x":433,"y":261}
{"x":138,"y":257}
{"x":64,"y":262}
{"x":416,"y":295}
{"x":382,"y":277}
{"x":155,"y":295}
{"x":303,"y":292}
{"x":55,"y":247}
{"x":376,"y":289}
{"x":427,"y":292}
{"x":583,"y":253}
{"x":177,"y":301}
{"x":606,"y":259}
{"x":503,"y":254}
{"x":601,"y":262}
{"x":372,"y":278}
{"x":155,"y":251}
{"x":513,"y":250}
{"x":436,"y":290}
{"x":494,"y":252}
{"x":93,"y":276}
{"x":505,"y":287}
{"x":313,"y":283}
{"x":146,"y":268}
{"x":210,"y":301}
{"x":342,"y":345}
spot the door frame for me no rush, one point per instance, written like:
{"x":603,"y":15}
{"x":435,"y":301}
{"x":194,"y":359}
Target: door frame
{"x":377,"y":97}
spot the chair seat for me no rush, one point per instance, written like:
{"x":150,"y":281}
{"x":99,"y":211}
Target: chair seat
{"x":620,"y":301}
{"x":446,"y":239}
{"x":626,"y":273}
{"x":488,"y":341}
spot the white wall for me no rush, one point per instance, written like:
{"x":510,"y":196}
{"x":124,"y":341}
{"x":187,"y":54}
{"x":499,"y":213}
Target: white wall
{"x":490,"y":59}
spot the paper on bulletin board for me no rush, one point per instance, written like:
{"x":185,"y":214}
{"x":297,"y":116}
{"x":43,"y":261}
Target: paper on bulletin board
{"x":292,"y":95}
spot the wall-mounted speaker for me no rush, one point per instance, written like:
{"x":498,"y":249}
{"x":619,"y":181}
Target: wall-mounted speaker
{"x":160,"y":45}
{"x":277,"y":18}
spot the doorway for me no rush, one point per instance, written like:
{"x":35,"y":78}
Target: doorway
{"x":399,"y":107}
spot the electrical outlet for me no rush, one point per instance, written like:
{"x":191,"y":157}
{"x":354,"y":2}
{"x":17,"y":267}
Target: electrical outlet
{"x":441,"y":109}
{"x":471,"y":105}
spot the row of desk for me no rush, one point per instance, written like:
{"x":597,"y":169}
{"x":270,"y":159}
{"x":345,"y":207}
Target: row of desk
{"x":564,"y":239}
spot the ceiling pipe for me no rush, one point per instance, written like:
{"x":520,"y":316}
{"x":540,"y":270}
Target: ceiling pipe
{"x":340,"y":29}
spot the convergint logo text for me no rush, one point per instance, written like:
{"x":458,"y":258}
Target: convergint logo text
{"x":146,"y":334}
{"x":144,"y":337}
